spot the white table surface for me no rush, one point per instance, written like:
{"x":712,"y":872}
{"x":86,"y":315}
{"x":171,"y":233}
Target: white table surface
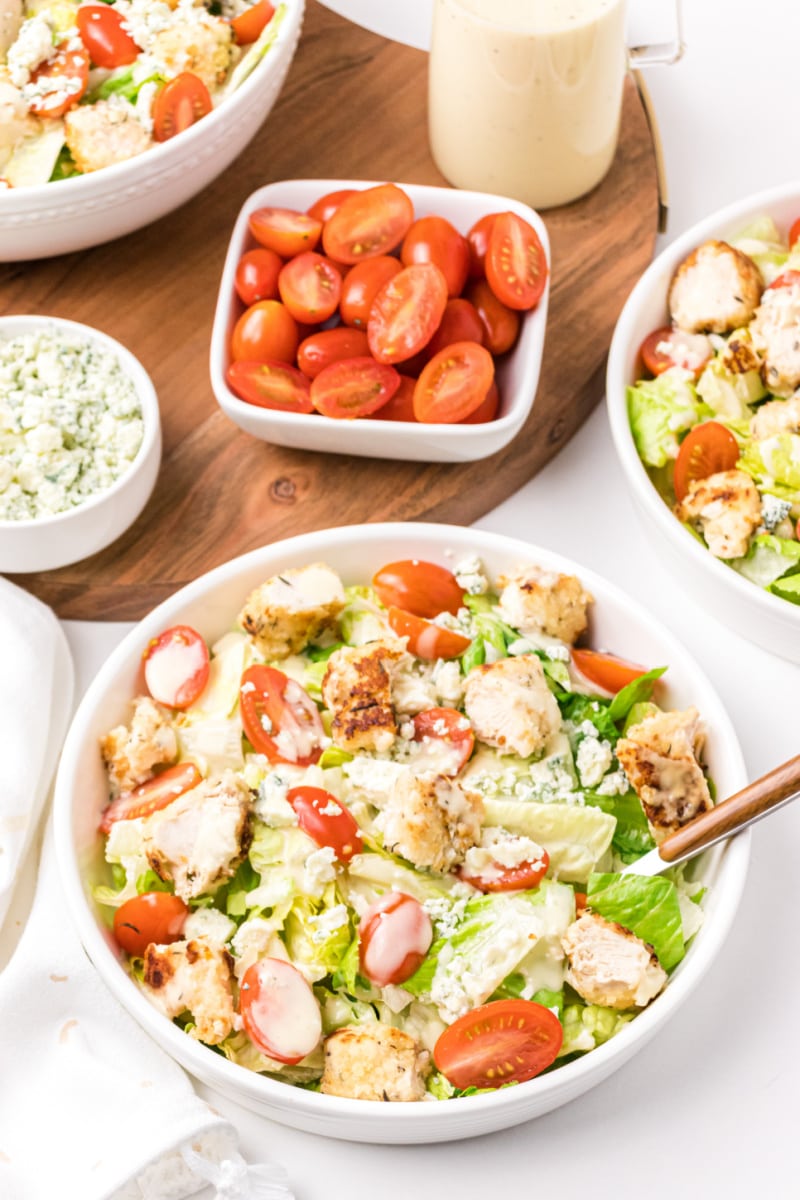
{"x":710,"y":1108}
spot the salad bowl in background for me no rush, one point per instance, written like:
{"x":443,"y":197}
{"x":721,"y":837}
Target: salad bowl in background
{"x":87,"y":210}
{"x":209,"y":604}
{"x":517,"y":370}
{"x":764,"y":618}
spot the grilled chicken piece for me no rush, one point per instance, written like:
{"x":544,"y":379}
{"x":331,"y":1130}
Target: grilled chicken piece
{"x":715,"y":290}
{"x":727,"y":507}
{"x":776,"y":416}
{"x":776,"y":336}
{"x":198,"y":839}
{"x":432,"y":822}
{"x":101,"y":134}
{"x":292,"y":609}
{"x":537,"y":601}
{"x":357,"y":688}
{"x":204,"y":48}
{"x":374,"y":1062}
{"x":609,"y":965}
{"x":193,"y":977}
{"x":510,"y":705}
{"x":660,"y":758}
{"x":131,"y":754}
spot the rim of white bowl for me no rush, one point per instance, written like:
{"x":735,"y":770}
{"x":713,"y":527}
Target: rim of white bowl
{"x":717,"y":224}
{"x":228,"y":400}
{"x":11,"y":326}
{"x":728,"y":886}
{"x":162,"y":151}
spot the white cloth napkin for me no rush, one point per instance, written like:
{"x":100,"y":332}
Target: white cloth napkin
{"x":90,"y":1107}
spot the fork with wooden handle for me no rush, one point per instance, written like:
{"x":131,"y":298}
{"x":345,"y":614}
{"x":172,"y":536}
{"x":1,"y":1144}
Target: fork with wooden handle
{"x":760,"y":798}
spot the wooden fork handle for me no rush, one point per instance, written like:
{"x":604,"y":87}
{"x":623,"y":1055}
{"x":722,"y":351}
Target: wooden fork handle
{"x":738,"y":810}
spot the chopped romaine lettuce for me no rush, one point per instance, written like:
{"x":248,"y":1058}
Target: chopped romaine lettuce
{"x":575,"y":836}
{"x":659,"y":410}
{"x":589,"y":1025}
{"x":647,"y":906}
{"x":729,"y":394}
{"x":768,"y":558}
{"x":774,"y":463}
{"x":637,"y":692}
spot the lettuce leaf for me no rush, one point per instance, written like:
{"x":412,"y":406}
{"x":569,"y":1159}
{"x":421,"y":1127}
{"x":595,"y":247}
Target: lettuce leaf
{"x":648,"y":907}
{"x":575,"y":836}
{"x":659,"y":410}
{"x":768,"y":558}
{"x":637,"y":692}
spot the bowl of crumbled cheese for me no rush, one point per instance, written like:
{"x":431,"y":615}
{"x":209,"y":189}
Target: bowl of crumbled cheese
{"x":80,"y":441}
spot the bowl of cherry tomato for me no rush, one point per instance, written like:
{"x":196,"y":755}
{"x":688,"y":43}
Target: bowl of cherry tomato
{"x":165,"y":657}
{"x":191,"y":135}
{"x":736,"y":586}
{"x":378,"y":319}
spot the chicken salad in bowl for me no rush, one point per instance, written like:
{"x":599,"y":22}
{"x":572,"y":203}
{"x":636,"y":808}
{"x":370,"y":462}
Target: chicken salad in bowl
{"x":370,"y":829}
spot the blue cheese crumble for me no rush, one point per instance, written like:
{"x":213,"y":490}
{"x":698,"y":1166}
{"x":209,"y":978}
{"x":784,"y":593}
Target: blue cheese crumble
{"x":70,"y":423}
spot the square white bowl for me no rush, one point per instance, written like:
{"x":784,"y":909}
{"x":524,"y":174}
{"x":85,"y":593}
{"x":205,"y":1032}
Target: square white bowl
{"x":517,"y":371}
{"x":45,"y":543}
{"x":753,"y":612}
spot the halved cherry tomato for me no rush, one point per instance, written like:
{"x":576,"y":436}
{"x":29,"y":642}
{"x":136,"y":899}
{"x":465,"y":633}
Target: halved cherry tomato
{"x":279,"y":1011}
{"x":326,"y":821}
{"x":401,"y":405}
{"x":69,"y":69}
{"x":265,"y":332}
{"x":285,"y":231}
{"x":180,"y":103}
{"x":668,"y":347}
{"x":488,"y":410}
{"x":509,"y":879}
{"x":324,"y":208}
{"x":425,"y":639}
{"x":478,"y":242}
{"x":394,"y":935}
{"x":435,"y":240}
{"x":406,"y":313}
{"x":249,"y":25}
{"x":794,"y":232}
{"x":104,"y":34}
{"x":257,"y":275}
{"x":580,"y":903}
{"x":318,"y":351}
{"x":310,"y":287}
{"x":279,"y":717}
{"x":151,"y":796}
{"x":786,"y":279}
{"x":706,"y":449}
{"x":362,"y":284}
{"x":505,"y":1041}
{"x":353,"y":387}
{"x":153,"y":917}
{"x":368,"y":223}
{"x":453,"y":384}
{"x":422,"y":588}
{"x":273,"y":385}
{"x":448,"y":726}
{"x":500,"y":323}
{"x":176,"y":666}
{"x":460,"y":323}
{"x":606,"y":671}
{"x":516,"y":267}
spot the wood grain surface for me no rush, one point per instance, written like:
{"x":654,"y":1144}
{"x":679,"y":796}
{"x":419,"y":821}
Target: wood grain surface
{"x":354,"y":105}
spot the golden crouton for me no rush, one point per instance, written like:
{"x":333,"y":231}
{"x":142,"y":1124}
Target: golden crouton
{"x":131,"y":754}
{"x":659,"y":757}
{"x":374,"y":1062}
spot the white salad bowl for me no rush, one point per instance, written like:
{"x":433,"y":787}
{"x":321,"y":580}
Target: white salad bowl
{"x":45,"y":543}
{"x":210,"y":604}
{"x":517,"y":371}
{"x":754,"y":613}
{"x":58,"y":218}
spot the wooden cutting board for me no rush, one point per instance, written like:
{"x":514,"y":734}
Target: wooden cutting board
{"x":353,"y":106}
